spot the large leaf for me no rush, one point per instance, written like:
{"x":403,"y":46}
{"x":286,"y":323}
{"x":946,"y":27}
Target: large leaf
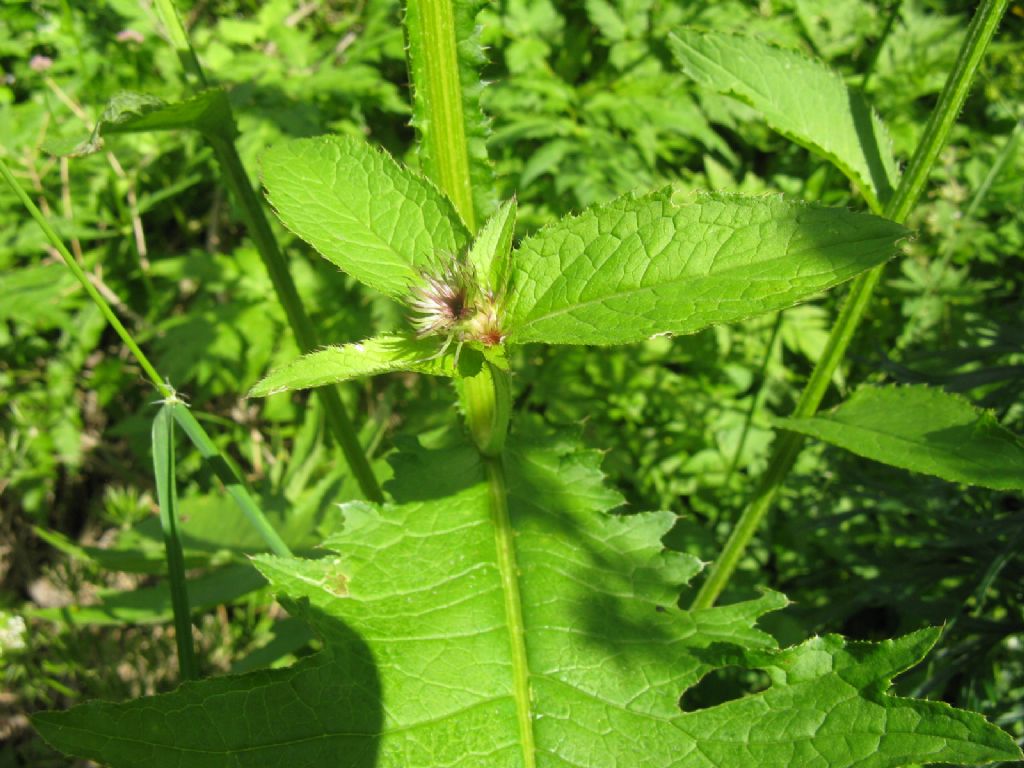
{"x":360,"y":209}
{"x":458,"y":635}
{"x":641,"y":266}
{"x":800,"y":98}
{"x":924,"y":430}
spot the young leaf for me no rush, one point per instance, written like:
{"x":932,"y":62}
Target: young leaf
{"x":362,"y":211}
{"x":489,"y":253}
{"x":636,"y":267}
{"x":800,"y":98}
{"x":381,"y":354}
{"x":459,"y":633}
{"x":922,"y":429}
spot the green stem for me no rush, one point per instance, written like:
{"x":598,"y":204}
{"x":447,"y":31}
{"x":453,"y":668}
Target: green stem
{"x":254,"y":217}
{"x":163,"y":469}
{"x":180,"y":40}
{"x":433,"y":54}
{"x":909,"y":191}
{"x":434,"y":66}
{"x":488,"y":404}
{"x":237,"y":488}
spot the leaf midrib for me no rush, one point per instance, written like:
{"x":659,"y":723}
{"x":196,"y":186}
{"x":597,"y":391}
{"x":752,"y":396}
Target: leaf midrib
{"x":504,"y":539}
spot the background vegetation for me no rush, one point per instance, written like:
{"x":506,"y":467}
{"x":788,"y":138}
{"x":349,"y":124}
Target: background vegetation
{"x":586,"y":104}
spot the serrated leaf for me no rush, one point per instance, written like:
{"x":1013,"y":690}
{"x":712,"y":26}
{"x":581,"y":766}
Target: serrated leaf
{"x":637,"y":267}
{"x":381,"y":354}
{"x":451,"y":639}
{"x":376,"y":220}
{"x":800,"y":98}
{"x":925,"y":430}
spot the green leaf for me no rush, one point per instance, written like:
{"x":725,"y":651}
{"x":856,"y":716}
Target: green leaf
{"x":489,"y":254}
{"x":208,"y":112}
{"x":800,"y":98}
{"x":637,"y":267}
{"x":167,"y":496}
{"x":924,"y":430}
{"x":425,"y":665}
{"x":361,"y":210}
{"x":381,"y":354}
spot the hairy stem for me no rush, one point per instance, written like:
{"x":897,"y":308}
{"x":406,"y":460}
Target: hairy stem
{"x":434,"y":66}
{"x":909,"y":191}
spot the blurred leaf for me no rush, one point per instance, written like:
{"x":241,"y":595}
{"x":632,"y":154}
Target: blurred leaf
{"x":208,"y":112}
{"x":924,"y":430}
{"x":801,"y":99}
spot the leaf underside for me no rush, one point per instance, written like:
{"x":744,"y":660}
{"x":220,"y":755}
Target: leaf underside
{"x":925,"y":430}
{"x":800,"y":98}
{"x":637,"y":267}
{"x":418,"y":664}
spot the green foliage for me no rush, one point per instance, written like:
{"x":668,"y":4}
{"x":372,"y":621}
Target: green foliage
{"x":420,"y":664}
{"x":340,"y":195}
{"x":588,"y":103}
{"x":923,"y":430}
{"x":630,"y":269}
{"x":381,"y":354}
{"x":822,"y":114}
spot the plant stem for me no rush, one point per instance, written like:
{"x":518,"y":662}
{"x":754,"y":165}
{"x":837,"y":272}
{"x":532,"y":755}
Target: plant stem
{"x":788,"y":445}
{"x":434,"y":64}
{"x":180,"y":40}
{"x":254,"y":217}
{"x":235,"y":485}
{"x":163,"y":470}
{"x":485,"y":397}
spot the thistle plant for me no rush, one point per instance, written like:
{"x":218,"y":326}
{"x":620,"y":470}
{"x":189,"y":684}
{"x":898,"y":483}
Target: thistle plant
{"x":497,"y":611}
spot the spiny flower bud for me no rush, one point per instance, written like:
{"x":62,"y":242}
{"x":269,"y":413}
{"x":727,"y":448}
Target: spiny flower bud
{"x":450,"y":303}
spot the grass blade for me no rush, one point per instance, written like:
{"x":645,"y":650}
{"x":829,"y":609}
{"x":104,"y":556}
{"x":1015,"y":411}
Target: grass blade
{"x":228,"y":474}
{"x":163,"y":469}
